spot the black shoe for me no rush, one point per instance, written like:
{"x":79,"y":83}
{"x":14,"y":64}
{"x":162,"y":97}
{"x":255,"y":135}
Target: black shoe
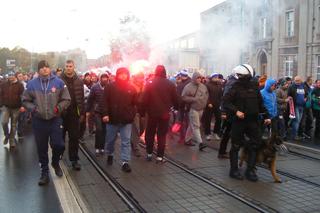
{"x":189,"y":143}
{"x":125,"y":167}
{"x":235,"y":174}
{"x":76,"y":166}
{"x":57,"y":169}
{"x":110,"y":160}
{"x":202,"y":146}
{"x":306,"y":136}
{"x":149,"y":157}
{"x":251,"y":175}
{"x":44,"y":179}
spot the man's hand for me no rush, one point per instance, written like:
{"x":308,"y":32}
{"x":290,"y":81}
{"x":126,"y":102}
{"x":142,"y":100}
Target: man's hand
{"x":210,"y":105}
{"x":105,"y":119}
{"x":240,"y":114}
{"x":267,"y":121}
{"x":223,"y":116}
{"x":87,"y":114}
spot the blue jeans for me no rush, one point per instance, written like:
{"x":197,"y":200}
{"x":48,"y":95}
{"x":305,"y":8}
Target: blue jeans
{"x":297,"y":120}
{"x":125,"y":135}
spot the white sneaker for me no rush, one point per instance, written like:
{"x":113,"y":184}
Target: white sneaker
{"x":216,"y":137}
{"x":208,"y":138}
{"x":97,"y":151}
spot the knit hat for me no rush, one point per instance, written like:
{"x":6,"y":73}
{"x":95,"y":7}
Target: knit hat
{"x":42,"y":64}
{"x":214,"y":75}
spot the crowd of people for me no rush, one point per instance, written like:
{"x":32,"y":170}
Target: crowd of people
{"x":133,"y":106}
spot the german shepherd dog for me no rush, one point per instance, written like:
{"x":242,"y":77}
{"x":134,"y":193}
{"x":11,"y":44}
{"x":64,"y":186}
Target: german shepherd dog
{"x":266,"y":154}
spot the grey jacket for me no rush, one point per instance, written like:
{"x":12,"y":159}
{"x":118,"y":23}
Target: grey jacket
{"x":46,"y":98}
{"x":197,"y":98}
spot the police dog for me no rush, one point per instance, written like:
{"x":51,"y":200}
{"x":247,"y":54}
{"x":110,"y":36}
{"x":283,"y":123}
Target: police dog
{"x":266,"y":154}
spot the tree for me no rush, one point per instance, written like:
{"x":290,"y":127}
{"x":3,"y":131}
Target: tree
{"x":132,"y":42}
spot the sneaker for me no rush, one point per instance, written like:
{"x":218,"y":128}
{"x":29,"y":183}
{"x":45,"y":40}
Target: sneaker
{"x":149,"y":157}
{"x":110,"y":160}
{"x":202,"y":146}
{"x":5,"y":141}
{"x":189,"y":143}
{"x":125,"y":167}
{"x":160,"y":160}
{"x":208,"y":138}
{"x":305,"y":135}
{"x":97,"y":152}
{"x":236,"y":174}
{"x":44,"y":179}
{"x":216,"y":137}
{"x":76,"y":166}
{"x":57,"y":169}
{"x":102,"y":151}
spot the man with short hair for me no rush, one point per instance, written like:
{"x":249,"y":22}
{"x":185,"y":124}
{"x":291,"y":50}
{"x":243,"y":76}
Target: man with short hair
{"x":299,"y":93}
{"x":10,"y":97}
{"x":47,"y":97}
{"x":74,"y":113}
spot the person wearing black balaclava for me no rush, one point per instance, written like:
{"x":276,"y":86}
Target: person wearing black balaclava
{"x":244,"y":103}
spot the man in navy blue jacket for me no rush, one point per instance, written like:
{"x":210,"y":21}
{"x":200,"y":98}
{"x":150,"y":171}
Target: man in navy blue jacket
{"x":47,"y":97}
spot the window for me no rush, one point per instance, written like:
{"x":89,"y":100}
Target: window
{"x":318,"y":21}
{"x":263,"y":28}
{"x":290,"y":23}
{"x":183,"y":44}
{"x":191,"y":43}
{"x":288,"y":65}
{"x":318,"y":67}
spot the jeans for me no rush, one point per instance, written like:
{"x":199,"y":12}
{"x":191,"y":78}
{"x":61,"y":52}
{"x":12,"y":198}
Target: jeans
{"x":9,"y":114}
{"x":193,"y":131}
{"x":297,"y":120}
{"x":125,"y":135}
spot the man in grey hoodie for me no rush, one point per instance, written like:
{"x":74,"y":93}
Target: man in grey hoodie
{"x":196,"y":95}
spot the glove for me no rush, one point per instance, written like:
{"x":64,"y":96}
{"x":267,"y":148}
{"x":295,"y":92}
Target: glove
{"x":56,"y":110}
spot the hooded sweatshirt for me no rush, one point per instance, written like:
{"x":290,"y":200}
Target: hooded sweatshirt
{"x":195,"y":94}
{"x":270,"y":98}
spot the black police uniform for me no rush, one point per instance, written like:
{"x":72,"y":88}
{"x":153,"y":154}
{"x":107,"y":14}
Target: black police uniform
{"x":244,"y":96}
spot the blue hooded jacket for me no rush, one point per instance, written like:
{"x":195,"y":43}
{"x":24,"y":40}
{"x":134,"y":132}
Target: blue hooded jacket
{"x":270,"y":98}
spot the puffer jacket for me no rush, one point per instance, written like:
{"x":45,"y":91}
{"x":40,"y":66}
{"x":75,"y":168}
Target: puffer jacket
{"x":270,"y":98}
{"x":195,"y":94}
{"x":282,"y":95}
{"x":44,"y":94}
{"x":76,"y":91}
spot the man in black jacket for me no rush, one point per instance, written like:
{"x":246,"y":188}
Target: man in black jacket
{"x":244,"y":102}
{"x":119,"y":109}
{"x":75,"y":112}
{"x":159,"y":96}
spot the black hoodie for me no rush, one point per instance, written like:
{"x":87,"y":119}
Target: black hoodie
{"x":119,"y":100}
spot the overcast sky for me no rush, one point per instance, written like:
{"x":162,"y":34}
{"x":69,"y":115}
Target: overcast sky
{"x":56,"y":25}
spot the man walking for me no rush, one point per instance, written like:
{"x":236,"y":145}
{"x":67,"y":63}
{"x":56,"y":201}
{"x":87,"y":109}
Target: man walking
{"x":10,"y":96}
{"x":74,"y":113}
{"x":47,"y":97}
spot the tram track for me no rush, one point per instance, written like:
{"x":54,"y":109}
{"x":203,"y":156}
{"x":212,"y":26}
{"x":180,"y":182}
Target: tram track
{"x":287,"y":174}
{"x":124,"y":194}
{"x":256,"y":205}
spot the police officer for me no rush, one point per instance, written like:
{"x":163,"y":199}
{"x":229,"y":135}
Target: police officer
{"x":245,"y":103}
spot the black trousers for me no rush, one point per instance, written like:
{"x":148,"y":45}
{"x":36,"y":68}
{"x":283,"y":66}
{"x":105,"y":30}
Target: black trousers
{"x":207,"y":117}
{"x":316,"y":114}
{"x":225,"y":136}
{"x":100,"y":136}
{"x":157,"y":126}
{"x":239,"y":129}
{"x":71,"y":124}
